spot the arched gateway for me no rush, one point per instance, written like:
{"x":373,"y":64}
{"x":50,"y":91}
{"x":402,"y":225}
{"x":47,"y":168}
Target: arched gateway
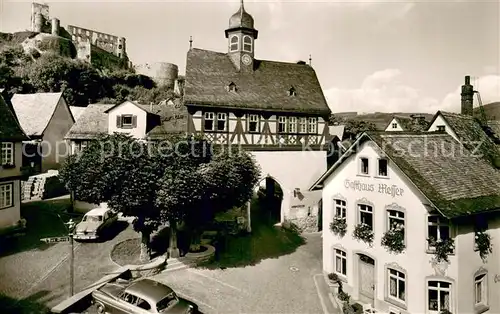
{"x":275,"y":110}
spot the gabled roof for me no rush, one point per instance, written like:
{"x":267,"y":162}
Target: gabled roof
{"x":91,"y":122}
{"x":471,"y":133}
{"x":410,"y":123}
{"x":457,"y":184}
{"x":76,"y":111}
{"x":9,"y":127}
{"x":34,"y":111}
{"x":208,"y":74}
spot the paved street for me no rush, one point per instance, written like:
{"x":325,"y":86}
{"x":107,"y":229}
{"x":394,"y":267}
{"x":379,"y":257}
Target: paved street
{"x":282,"y":285}
{"x":43,"y":274}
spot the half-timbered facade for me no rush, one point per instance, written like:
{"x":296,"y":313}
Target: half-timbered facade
{"x":275,"y":109}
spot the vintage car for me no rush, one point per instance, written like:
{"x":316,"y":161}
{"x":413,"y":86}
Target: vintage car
{"x":95,"y":223}
{"x":144,"y":296}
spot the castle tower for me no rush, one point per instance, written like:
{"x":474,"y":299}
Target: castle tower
{"x":55,"y":26}
{"x":37,"y":22}
{"x":241,"y":36}
{"x":120,"y":48}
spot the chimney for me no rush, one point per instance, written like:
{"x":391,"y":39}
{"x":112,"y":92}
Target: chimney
{"x":467,"y":97}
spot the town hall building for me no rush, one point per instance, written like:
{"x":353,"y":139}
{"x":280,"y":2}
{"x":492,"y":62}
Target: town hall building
{"x":274,"y":109}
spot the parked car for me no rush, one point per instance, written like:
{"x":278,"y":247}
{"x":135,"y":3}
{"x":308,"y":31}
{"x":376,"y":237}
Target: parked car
{"x":95,"y":223}
{"x":140,"y":297}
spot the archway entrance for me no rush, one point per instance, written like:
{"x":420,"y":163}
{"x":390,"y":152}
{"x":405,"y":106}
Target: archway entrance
{"x":269,"y":198}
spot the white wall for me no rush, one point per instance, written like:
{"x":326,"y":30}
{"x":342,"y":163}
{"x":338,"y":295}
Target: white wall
{"x":414,"y":261}
{"x":128,"y":108}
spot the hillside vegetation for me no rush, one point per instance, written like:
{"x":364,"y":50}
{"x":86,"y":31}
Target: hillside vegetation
{"x":81,"y":82}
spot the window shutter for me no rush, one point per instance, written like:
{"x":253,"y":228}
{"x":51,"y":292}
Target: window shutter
{"x":118,"y":121}
{"x":134,"y":121}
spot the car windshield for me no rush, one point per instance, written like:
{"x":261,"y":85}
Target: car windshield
{"x":166,"y":302}
{"x":89,"y":218}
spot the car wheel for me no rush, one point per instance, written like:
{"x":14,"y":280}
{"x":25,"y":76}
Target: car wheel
{"x":101,"y":309}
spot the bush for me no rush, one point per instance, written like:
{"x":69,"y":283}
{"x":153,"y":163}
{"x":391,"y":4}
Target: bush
{"x":53,"y":188}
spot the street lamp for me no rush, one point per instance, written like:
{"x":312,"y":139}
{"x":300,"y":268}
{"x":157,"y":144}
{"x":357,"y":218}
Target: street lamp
{"x":71,"y":225}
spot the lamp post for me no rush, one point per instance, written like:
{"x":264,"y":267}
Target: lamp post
{"x":71,"y":225}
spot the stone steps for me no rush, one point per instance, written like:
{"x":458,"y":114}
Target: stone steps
{"x":174,"y":264}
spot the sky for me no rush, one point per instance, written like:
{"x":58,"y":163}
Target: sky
{"x":386,"y":56}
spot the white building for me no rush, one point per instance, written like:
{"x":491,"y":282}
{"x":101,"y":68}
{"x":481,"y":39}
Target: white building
{"x":418,"y":183}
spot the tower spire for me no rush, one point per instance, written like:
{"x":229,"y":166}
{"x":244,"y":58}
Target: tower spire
{"x":190,"y":42}
{"x":310,"y":60}
{"x":242,"y":5}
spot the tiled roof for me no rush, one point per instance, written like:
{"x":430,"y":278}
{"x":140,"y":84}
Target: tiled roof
{"x":9,"y":127}
{"x":34,"y":111}
{"x":470,"y":133}
{"x":92,"y":121}
{"x":76,"y":111}
{"x":208,"y":74}
{"x":457,"y":184}
{"x":173,"y":119}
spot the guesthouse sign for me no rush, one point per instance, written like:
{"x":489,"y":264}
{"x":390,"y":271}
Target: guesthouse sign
{"x":381,"y":188}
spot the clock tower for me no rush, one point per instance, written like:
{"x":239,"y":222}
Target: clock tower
{"x":241,"y":36}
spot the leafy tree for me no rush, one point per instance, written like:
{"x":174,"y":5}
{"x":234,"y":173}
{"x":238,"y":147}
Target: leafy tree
{"x":181,"y":182}
{"x":117,"y":169}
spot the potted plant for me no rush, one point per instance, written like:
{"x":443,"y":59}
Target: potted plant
{"x":442,"y":248}
{"x":394,"y":240}
{"x":335,"y":283}
{"x":363,"y":232}
{"x":338,"y":226}
{"x":8,"y":166}
{"x":344,"y":297}
{"x":483,"y":244}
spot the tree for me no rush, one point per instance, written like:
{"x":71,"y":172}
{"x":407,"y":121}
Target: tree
{"x":353,"y":127}
{"x":194,"y":192}
{"x":118,"y":170}
{"x":180,"y":182}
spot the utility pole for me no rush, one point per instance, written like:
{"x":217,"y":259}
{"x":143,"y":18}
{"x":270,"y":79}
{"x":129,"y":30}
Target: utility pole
{"x":71,"y":225}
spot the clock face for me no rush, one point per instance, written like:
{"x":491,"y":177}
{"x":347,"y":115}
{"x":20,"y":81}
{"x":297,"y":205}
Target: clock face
{"x":246,"y":59}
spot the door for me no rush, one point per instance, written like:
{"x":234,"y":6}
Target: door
{"x":366,"y":279}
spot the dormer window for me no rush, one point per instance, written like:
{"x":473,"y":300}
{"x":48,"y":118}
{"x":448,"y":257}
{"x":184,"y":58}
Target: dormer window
{"x":234,"y":44}
{"x":292,"y":92}
{"x":247,"y":43}
{"x":231,"y":87}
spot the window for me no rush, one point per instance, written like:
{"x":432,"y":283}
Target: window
{"x":303,"y":125}
{"x":231,"y":87}
{"x":340,"y":262}
{"x":364,"y":165}
{"x":221,"y":122}
{"x":208,"y":125}
{"x":7,"y":154}
{"x":340,"y":208}
{"x":143,"y":304}
{"x":292,"y":92}
{"x":281,"y":124}
{"x":233,"y":46}
{"x":292,"y":125}
{"x":253,"y":123}
{"x":132,"y":299}
{"x":395,"y":219}
{"x":126,"y":121}
{"x":397,"y":285}
{"x":394,"y":125}
{"x":438,"y":228}
{"x":481,"y":292}
{"x":247,"y":43}
{"x":366,"y":215}
{"x":313,"y":126}
{"x":441,"y":128}
{"x":382,"y":167}
{"x":439,"y":293}
{"x":6,"y":195}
